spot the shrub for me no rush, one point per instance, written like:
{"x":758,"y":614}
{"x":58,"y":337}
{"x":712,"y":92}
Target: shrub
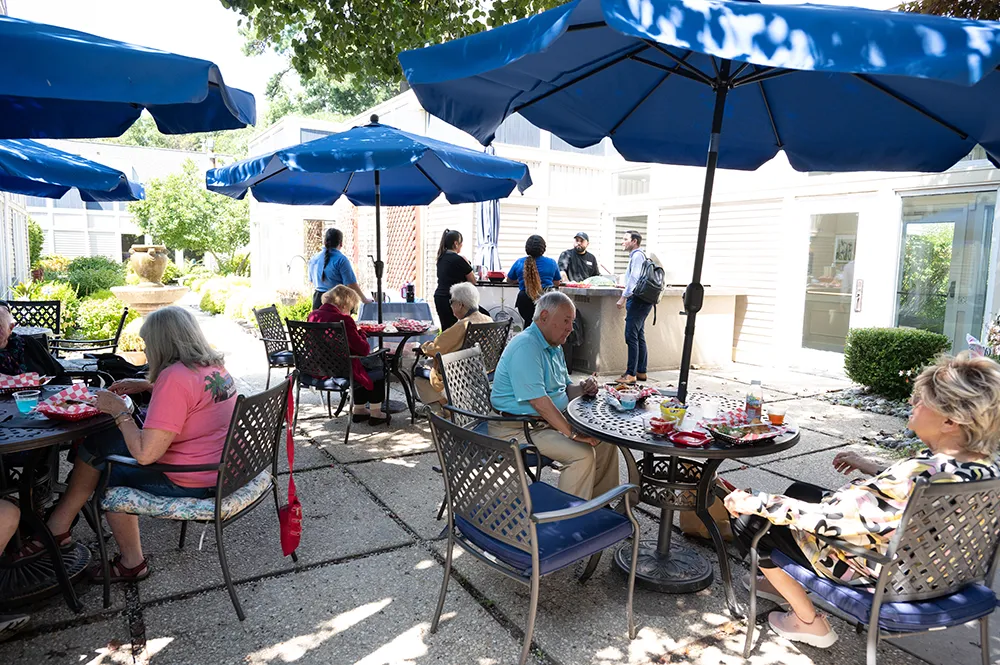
{"x":54,"y":267}
{"x":98,"y":316}
{"x":886,"y":360}
{"x":130,"y":340}
{"x":95,"y":273}
{"x":236,"y":303}
{"x":297,"y":312}
{"x":66,"y":294}
{"x":214,"y":294}
{"x":36,"y":239}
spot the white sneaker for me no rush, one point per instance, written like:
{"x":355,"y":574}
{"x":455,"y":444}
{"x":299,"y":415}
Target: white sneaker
{"x":11,"y":623}
{"x":764,"y":590}
{"x":789,"y":626}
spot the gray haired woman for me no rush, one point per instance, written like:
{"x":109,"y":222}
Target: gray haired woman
{"x":193,"y":398}
{"x":465,"y":306}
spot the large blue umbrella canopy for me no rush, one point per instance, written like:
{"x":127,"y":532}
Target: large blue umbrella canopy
{"x":837,"y":89}
{"x":33,"y":169}
{"x":375,"y":165}
{"x":60,"y":83}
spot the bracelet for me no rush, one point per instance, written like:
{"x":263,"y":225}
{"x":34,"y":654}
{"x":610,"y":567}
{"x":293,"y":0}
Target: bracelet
{"x":120,"y":417}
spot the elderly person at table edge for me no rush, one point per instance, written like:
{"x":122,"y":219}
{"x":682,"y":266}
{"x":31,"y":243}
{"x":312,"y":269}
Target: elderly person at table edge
{"x":11,"y":346}
{"x":369,"y":382}
{"x":464,"y":303}
{"x":956,"y":414}
{"x":531,"y":379}
{"x":193,"y":399}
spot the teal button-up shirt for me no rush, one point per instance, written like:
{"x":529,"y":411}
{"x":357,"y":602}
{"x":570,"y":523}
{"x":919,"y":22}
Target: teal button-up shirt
{"x":530,"y":368}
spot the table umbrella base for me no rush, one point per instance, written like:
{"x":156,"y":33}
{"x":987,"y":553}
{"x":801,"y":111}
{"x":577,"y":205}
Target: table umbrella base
{"x":681,"y":570}
{"x":25,"y":582}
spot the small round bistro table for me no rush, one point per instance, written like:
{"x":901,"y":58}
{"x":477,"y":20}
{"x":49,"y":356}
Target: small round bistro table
{"x":672,"y":478}
{"x":393,"y":364}
{"x":34,"y":436}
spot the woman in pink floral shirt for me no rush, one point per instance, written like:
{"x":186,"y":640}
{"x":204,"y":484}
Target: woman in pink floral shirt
{"x":956,"y":414}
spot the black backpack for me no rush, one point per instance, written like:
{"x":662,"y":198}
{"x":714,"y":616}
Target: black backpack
{"x":650,"y":284}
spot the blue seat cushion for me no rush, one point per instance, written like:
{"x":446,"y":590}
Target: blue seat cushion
{"x":561,"y":543}
{"x":969,"y":604}
{"x":329,"y":383}
{"x":423,"y":371}
{"x":490,"y":376}
{"x":281,"y":359}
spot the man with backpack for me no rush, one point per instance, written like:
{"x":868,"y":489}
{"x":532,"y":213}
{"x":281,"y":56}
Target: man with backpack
{"x":643,"y":285}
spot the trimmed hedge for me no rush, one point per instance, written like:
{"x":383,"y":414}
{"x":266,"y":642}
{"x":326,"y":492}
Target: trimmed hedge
{"x":98,"y":315}
{"x":886,"y":360}
{"x":90,"y":274}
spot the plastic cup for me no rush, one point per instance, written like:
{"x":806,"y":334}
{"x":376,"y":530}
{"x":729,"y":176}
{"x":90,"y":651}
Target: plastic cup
{"x":26,"y":400}
{"x":628,"y":398}
{"x":776,"y":414}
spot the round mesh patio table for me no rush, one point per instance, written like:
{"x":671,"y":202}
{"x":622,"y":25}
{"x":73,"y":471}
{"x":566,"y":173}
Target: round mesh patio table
{"x":672,"y":478}
{"x":400,"y":337}
{"x":23,"y":582}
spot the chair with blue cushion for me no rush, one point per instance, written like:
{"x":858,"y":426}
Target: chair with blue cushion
{"x":937,"y":572}
{"x":323,"y":361}
{"x":247,"y":473}
{"x":523,"y":530}
{"x":276,"y":345}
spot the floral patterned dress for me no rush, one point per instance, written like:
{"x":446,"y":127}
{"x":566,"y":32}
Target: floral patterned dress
{"x":864,"y":513}
{"x":12,"y":356}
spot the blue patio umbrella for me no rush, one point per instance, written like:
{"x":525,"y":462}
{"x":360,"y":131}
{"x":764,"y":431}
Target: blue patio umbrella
{"x":489,"y":230}
{"x":374,"y":165}
{"x":835,"y":88}
{"x":61,"y":83}
{"x":33,"y":169}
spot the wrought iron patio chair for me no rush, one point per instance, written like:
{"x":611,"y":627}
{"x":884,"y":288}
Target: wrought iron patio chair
{"x":522,"y":530}
{"x":323,"y":361}
{"x":37,"y":313}
{"x":277,"y":348}
{"x":247,"y":470}
{"x":936,"y":573}
{"x":491,"y":337}
{"x":59,"y":346}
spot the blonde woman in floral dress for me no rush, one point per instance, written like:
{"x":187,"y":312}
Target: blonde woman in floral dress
{"x":956,"y":414}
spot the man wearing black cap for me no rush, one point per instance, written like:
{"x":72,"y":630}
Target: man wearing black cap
{"x":578,"y":264}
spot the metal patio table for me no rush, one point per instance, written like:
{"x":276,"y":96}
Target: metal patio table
{"x":671,"y":478}
{"x":22,"y":582}
{"x":394,"y":360}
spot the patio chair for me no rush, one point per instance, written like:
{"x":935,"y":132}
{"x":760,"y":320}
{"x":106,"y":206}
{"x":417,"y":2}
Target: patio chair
{"x":247,"y":470}
{"x":323,"y":361}
{"x":59,"y":346}
{"x":277,"y":348}
{"x":37,"y":313}
{"x":491,"y":337}
{"x":937,"y":572}
{"x":522,"y":530}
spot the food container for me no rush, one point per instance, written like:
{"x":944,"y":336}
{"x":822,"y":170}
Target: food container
{"x":659,"y":426}
{"x":495,"y":276}
{"x":628,"y":398}
{"x":672,"y":411}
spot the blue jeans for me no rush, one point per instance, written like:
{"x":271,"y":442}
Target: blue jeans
{"x":636,"y":312}
{"x":111,"y":442}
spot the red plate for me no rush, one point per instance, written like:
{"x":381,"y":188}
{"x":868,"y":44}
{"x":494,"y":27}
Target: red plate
{"x":692,"y":439}
{"x":68,"y":417}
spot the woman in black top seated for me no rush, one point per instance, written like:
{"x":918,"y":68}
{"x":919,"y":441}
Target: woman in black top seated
{"x":452,"y":269}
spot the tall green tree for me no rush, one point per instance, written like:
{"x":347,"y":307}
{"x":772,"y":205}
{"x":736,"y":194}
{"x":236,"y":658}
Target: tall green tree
{"x":180,"y":213}
{"x":145,"y":134}
{"x":337,"y":39}
{"x":325,"y":98}
{"x":982,"y":10}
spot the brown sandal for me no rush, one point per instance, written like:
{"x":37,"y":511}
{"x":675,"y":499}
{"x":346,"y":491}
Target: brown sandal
{"x":120,"y":573}
{"x":35,"y":548}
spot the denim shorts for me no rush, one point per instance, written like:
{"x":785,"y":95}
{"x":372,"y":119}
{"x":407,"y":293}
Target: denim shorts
{"x":111,"y":442}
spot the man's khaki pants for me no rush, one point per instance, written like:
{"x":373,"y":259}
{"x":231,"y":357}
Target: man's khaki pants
{"x":587,"y":471}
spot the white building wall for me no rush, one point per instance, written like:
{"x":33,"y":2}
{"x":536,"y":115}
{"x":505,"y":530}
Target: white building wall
{"x":14,"y":256}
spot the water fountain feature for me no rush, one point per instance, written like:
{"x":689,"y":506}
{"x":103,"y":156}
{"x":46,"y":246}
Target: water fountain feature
{"x":150,"y":294}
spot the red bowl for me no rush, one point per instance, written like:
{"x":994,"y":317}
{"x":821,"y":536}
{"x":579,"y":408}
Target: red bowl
{"x":495,"y":273}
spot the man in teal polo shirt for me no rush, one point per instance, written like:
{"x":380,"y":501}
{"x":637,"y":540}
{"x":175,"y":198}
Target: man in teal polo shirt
{"x":531,"y":379}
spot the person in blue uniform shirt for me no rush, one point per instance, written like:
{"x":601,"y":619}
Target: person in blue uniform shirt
{"x":330,"y":268}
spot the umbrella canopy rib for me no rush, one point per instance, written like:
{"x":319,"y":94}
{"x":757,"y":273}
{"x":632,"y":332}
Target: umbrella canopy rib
{"x":913,"y":105}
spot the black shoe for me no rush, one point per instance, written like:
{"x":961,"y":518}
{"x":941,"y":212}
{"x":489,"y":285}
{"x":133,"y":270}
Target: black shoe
{"x":360,"y":417}
{"x":375,"y":422}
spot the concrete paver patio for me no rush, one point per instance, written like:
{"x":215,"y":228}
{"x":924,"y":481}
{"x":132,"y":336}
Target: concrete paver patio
{"x":370,"y":565}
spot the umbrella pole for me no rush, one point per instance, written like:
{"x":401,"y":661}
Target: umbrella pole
{"x":378,"y":246}
{"x":694,"y":294}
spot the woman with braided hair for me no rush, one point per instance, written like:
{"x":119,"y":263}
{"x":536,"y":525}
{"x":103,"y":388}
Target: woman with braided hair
{"x":534,"y":274}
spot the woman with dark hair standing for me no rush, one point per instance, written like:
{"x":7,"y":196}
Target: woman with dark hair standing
{"x":534,"y":274}
{"x":452,"y":269}
{"x":330,"y":268}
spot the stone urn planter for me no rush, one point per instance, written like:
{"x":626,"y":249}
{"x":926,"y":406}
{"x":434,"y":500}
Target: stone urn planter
{"x":149,"y":262}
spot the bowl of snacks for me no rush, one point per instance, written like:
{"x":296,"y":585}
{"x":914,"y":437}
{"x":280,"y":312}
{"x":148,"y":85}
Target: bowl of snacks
{"x":371,"y":327}
{"x":672,"y":410}
{"x":738,"y":435}
{"x":660,"y":426}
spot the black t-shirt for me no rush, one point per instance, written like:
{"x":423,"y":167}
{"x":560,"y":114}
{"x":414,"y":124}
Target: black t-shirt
{"x":578,"y":267}
{"x":452,"y":269}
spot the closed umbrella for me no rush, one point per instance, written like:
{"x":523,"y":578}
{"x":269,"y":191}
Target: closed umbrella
{"x":489,"y":230}
{"x":61,"y":83}
{"x":34,"y":169}
{"x":835,"y":88}
{"x":375,"y":165}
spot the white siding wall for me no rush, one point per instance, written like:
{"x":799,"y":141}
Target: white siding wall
{"x":517,"y":222}
{"x":436,"y":219}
